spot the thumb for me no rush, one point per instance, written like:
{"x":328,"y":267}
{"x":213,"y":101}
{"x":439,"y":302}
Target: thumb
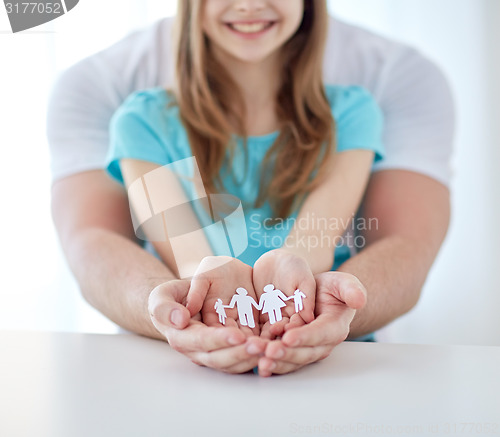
{"x":208,"y":270}
{"x":343,"y":286}
{"x":198,"y":290}
{"x":165,"y":305}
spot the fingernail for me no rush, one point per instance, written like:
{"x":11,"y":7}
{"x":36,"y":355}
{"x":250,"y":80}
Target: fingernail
{"x":233,"y":341}
{"x":176,"y":318}
{"x":280,"y":353}
{"x":272,"y":366}
{"x":253,"y":349}
{"x":294,"y":343}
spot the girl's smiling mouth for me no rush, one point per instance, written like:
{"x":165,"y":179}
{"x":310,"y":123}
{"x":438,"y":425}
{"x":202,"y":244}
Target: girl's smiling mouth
{"x":253,"y":28}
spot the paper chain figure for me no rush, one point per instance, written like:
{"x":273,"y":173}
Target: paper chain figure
{"x":271,"y":302}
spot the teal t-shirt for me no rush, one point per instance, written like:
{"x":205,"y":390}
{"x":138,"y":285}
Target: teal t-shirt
{"x":146,"y":128}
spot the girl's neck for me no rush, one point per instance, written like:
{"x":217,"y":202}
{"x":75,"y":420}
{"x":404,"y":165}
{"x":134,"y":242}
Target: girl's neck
{"x":259,"y":85}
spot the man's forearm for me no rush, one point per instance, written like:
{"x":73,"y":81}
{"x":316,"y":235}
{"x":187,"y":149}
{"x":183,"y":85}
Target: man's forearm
{"x":393,"y":270}
{"x":92,"y":217}
{"x":412,"y":213}
{"x":116,"y":277}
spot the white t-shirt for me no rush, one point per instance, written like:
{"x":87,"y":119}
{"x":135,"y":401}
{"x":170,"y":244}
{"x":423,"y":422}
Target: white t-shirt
{"x":412,"y":92}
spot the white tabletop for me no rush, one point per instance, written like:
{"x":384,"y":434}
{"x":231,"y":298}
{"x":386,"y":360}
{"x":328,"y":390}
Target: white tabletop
{"x":71,"y":385}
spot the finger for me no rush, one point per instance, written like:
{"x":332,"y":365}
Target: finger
{"x":326,"y":329}
{"x":278,"y":328}
{"x":295,"y":321}
{"x":238,"y":358}
{"x":243,"y":366}
{"x":165,"y":305}
{"x":198,"y":290}
{"x":209,"y":270}
{"x":265,"y":331}
{"x":199,"y":337}
{"x":250,"y":332}
{"x":278,"y":352}
{"x":271,"y":331}
{"x":267,"y":367}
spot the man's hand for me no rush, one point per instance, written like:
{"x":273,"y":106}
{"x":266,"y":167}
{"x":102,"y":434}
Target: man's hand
{"x":287,"y":272}
{"x":226,"y":348}
{"x":338,"y":296}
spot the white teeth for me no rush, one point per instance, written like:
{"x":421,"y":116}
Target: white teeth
{"x":250,"y":28}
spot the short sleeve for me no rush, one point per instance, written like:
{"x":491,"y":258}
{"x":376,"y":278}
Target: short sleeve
{"x":419,"y":117}
{"x":85,"y":96}
{"x":78,"y":116}
{"x":358,"y":120}
{"x":138,"y":130}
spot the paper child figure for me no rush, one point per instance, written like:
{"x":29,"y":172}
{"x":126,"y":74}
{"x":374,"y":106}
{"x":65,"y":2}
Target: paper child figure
{"x":219,"y":309}
{"x":297,"y":299}
{"x":244,"y":304}
{"x":271,"y":302}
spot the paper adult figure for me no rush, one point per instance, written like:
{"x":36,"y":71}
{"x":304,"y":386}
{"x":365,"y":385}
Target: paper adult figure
{"x":297,"y":299}
{"x":219,"y":309}
{"x":244,"y":304}
{"x":271,"y":302}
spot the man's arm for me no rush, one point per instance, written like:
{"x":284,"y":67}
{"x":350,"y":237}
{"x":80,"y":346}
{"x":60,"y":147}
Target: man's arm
{"x":412,"y":214}
{"x":129,"y":285}
{"x":115,"y":274}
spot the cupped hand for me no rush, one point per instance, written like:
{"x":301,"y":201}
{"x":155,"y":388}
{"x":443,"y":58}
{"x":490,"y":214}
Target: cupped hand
{"x":226,"y":348}
{"x":218,"y":277}
{"x":287,"y":272}
{"x":338,"y":296}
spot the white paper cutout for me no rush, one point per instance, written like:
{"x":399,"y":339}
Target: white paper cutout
{"x":297,"y":299}
{"x":244,"y":304}
{"x":219,"y":309}
{"x":271,"y":302}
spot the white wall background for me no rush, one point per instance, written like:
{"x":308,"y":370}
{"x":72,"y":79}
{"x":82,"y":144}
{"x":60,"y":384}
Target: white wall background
{"x":461,"y":299}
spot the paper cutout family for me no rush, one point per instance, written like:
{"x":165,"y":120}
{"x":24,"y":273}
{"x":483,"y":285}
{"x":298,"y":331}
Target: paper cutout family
{"x":271,"y":302}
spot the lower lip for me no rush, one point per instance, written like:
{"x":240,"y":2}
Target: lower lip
{"x":252,"y":35}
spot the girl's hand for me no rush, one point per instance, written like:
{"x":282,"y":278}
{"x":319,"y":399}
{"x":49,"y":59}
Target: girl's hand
{"x":287,"y":272}
{"x":218,"y":277}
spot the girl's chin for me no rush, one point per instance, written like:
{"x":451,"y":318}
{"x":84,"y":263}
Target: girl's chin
{"x":251,"y":58}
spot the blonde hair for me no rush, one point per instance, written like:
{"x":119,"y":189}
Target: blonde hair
{"x":212,"y":108}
